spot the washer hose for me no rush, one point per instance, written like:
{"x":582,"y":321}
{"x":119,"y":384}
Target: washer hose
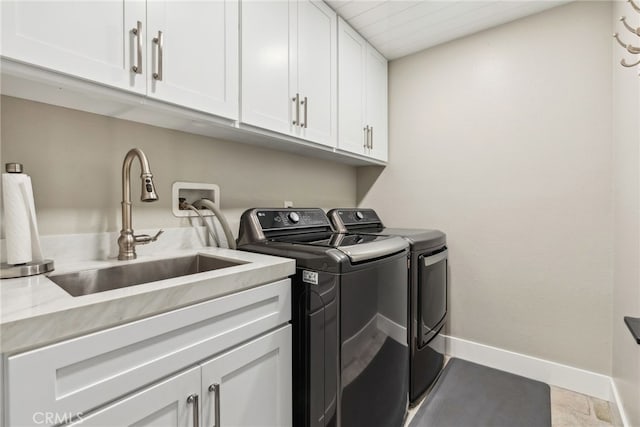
{"x":208,"y":204}
{"x":184,"y":205}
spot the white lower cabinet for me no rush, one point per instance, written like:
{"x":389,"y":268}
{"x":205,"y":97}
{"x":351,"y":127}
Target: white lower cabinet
{"x":164,"y":404}
{"x":248,"y":386}
{"x":143,"y":372}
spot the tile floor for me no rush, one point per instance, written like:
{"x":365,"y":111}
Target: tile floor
{"x":571,"y":409}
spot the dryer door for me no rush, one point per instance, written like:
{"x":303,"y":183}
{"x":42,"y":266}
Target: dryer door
{"x":432,"y":295}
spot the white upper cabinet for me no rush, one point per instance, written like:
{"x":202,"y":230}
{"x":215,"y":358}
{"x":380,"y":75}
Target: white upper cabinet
{"x":317,"y":71}
{"x":376,"y":104}
{"x":265,"y":65}
{"x":280,"y":68}
{"x":185,"y":53}
{"x":193,"y":54}
{"x":289,"y":68}
{"x":91,"y":40}
{"x":362,"y":95}
{"x":352,"y":50}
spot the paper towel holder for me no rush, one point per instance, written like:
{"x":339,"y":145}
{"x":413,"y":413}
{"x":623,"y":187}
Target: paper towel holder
{"x":8,"y":271}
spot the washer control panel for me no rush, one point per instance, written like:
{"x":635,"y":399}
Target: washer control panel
{"x":292,"y":218}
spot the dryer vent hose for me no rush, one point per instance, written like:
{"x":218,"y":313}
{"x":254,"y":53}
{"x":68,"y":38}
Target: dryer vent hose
{"x":208,"y":204}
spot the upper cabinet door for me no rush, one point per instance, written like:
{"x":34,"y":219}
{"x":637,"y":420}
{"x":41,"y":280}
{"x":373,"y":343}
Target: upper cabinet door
{"x":317,"y":71}
{"x":289,"y":68}
{"x":99,"y":41}
{"x":266,"y":101}
{"x":352,"y":50}
{"x":193,"y":54}
{"x":376,"y":104}
{"x":362,"y":95}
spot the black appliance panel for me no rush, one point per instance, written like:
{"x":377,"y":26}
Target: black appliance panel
{"x":315,"y":350}
{"x":352,"y":218}
{"x":432,"y":295}
{"x":374,"y":348}
{"x":330,"y":240}
{"x":278,"y":219}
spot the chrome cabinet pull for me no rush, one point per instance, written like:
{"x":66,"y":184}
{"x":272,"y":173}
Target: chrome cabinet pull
{"x":138,"y":33}
{"x":158,"y":41}
{"x":193,"y":399}
{"x":371,"y":137}
{"x":297,"y":101}
{"x":366,"y":136}
{"x":215,"y":388}
{"x":305,"y":102}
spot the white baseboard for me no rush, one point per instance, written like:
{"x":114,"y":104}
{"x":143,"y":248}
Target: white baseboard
{"x":552,"y":373}
{"x":618,"y":402}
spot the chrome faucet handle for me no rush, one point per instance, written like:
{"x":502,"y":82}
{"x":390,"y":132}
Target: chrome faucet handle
{"x":143,"y":239}
{"x":154,"y":238}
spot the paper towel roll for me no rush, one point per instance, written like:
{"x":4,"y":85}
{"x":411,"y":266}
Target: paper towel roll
{"x":20,"y":224}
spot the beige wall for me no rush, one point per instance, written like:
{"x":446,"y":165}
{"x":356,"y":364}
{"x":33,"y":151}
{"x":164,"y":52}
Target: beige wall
{"x":626,"y":290}
{"x":75,"y":162}
{"x":503,"y":140}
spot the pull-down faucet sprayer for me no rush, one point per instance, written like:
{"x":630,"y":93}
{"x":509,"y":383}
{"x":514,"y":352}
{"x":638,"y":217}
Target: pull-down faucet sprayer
{"x":127,"y":241}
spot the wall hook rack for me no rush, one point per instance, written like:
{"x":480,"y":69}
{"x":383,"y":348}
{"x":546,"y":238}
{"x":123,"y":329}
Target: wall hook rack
{"x":630,"y":48}
{"x":635,"y":31}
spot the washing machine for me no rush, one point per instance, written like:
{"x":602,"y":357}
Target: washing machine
{"x":349,"y":317}
{"x":427,"y":280}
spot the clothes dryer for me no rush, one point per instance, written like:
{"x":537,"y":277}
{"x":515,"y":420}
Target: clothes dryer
{"x":427,"y":278}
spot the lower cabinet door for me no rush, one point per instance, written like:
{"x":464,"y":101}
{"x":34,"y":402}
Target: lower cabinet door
{"x":250,"y":385}
{"x":172,"y":402}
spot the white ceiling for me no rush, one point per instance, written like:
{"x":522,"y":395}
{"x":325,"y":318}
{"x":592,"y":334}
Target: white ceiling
{"x":399,"y":27}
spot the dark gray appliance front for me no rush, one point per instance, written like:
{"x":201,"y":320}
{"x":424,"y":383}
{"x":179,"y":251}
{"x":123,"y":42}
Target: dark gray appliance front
{"x":349,"y":319}
{"x":374,"y":361}
{"x":428,"y":284}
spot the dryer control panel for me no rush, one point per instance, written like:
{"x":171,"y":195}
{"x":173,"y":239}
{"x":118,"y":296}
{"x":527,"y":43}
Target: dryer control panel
{"x":352,"y":218}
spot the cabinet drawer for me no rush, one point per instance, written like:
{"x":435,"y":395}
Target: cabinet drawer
{"x":83,"y":373}
{"x":164,"y":404}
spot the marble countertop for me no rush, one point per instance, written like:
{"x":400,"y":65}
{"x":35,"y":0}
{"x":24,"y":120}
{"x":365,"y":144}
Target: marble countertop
{"x":34,"y":311}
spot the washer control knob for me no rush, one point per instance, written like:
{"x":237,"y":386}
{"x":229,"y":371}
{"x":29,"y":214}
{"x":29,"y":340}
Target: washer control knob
{"x":359,"y":215}
{"x":293,"y":217}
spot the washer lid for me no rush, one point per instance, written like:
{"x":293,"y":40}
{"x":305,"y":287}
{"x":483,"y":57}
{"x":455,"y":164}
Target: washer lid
{"x":358,"y":247}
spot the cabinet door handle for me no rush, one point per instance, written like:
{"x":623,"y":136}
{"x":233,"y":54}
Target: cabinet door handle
{"x":366,"y":136}
{"x":297,"y":101}
{"x":371,"y":137}
{"x":193,"y":399}
{"x":305,"y":102}
{"x":137,"y":32}
{"x":158,"y":41}
{"x":215,"y":388}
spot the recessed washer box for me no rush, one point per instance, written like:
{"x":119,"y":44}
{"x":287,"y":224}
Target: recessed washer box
{"x":192,"y":191}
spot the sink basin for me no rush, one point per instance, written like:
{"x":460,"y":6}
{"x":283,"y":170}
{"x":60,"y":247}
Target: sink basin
{"x":121,"y":276}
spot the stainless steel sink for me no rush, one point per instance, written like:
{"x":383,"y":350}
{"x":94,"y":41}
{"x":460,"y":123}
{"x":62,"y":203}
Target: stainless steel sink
{"x":105,"y":279}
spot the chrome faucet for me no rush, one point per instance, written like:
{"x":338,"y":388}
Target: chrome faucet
{"x":127,"y":241}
